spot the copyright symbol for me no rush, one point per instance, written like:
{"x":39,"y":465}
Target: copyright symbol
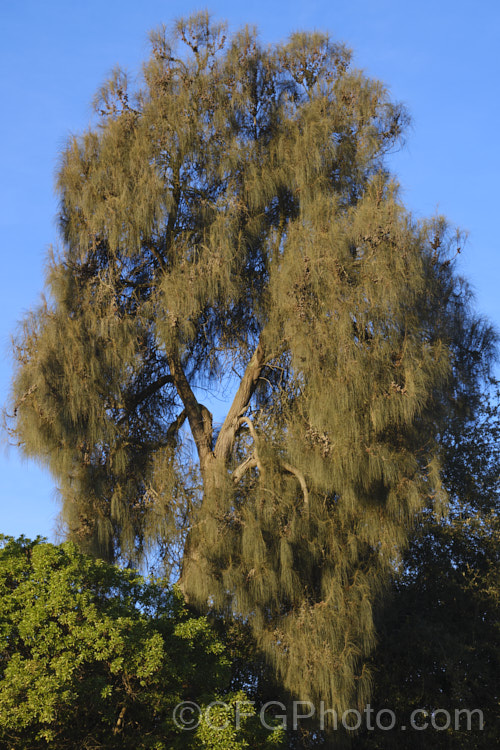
{"x":186,"y":715}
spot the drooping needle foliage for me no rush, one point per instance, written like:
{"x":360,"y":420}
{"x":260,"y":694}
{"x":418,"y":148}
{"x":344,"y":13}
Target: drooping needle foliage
{"x":229,"y":226}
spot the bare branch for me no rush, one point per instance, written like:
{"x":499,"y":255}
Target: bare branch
{"x":227,"y":434}
{"x":249,"y":463}
{"x":199,"y":418}
{"x":300,"y":477}
{"x":249,"y":423}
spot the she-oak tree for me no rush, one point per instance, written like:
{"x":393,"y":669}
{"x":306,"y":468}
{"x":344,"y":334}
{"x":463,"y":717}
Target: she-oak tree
{"x":230,"y":226}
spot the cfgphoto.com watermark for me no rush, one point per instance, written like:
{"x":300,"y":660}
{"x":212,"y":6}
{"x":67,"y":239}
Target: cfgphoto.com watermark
{"x":188,"y":715}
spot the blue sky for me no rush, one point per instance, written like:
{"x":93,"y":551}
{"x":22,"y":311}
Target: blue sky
{"x":440,"y":58}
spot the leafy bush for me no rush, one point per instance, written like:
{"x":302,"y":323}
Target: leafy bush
{"x":92,"y":656}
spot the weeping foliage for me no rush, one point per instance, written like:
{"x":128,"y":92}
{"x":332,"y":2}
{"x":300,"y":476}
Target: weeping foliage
{"x":233,"y":214}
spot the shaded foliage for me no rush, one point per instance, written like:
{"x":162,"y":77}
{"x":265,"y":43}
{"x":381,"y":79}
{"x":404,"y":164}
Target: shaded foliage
{"x":440,"y":630}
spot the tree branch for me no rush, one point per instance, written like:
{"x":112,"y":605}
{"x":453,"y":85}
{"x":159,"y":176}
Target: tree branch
{"x":249,"y":463}
{"x":118,"y":726}
{"x":249,"y":423}
{"x":227,"y":434}
{"x":199,"y":418}
{"x":174,"y":428}
{"x":150,"y":390}
{"x":159,"y":257}
{"x":300,"y":477}
{"x":23,"y":398}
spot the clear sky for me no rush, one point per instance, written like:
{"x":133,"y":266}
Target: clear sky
{"x":440,"y":57}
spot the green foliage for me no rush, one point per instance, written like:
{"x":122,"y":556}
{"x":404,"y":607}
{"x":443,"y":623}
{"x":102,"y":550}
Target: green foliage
{"x":93,"y":656}
{"x":233,"y":214}
{"x":233,"y":723}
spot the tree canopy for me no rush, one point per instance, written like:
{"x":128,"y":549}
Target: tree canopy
{"x":92,"y":656}
{"x":439,"y":629}
{"x":230,"y":229}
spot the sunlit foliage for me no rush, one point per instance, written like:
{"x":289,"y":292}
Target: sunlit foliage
{"x":94,"y":657}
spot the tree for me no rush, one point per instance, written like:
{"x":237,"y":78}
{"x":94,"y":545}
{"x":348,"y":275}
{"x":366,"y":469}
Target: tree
{"x":439,"y":630}
{"x":230,"y":226}
{"x":92,"y":656}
